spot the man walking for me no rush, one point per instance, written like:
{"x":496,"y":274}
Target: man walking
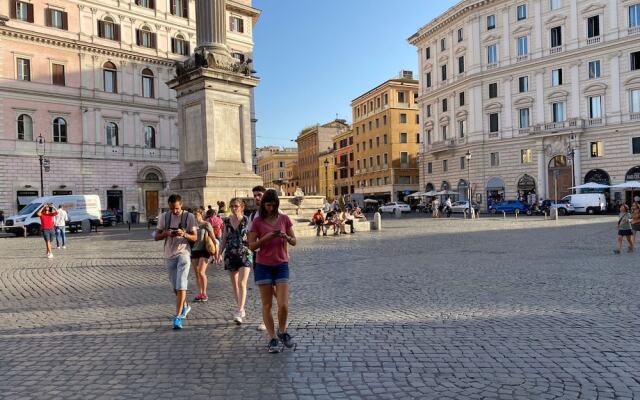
{"x":177,"y":228}
{"x":60,"y":221}
{"x":46,"y":214}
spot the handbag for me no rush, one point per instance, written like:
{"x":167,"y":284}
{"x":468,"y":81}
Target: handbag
{"x":210,"y":245}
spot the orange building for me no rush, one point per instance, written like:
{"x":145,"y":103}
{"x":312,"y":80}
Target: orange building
{"x":344,"y":164}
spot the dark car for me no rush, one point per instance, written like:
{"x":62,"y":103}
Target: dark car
{"x":108,"y":218}
{"x":509,"y":206}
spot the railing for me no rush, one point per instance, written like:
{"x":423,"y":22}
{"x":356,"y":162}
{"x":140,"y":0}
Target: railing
{"x":494,"y":134}
{"x":575,"y":123}
{"x":556,"y":50}
{"x":462,"y":140}
{"x":593,"y":40}
{"x":594,"y":121}
{"x":442,"y":145}
{"x":634,"y":31}
{"x":492,"y":66}
{"x":634,"y":116}
{"x":524,"y":131}
{"x":522,"y":58}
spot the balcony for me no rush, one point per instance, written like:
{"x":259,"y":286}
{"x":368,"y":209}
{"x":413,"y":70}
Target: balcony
{"x":443,"y":145}
{"x":594,"y":122}
{"x":634,"y":116}
{"x":522,"y":58}
{"x":634,"y":31}
{"x":524,"y":131}
{"x":493,"y":135}
{"x":556,"y":127}
{"x":556,"y":50}
{"x":593,"y":40}
{"x":492,"y":66}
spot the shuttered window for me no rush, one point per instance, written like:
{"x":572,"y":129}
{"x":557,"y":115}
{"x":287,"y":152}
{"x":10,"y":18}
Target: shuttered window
{"x":107,"y":29}
{"x":145,"y":38}
{"x":179,"y":46}
{"x":57,"y":74}
{"x":21,"y":10}
{"x":236,"y":24}
{"x":180,"y":8}
{"x":146,"y":3}
{"x":56,"y":19}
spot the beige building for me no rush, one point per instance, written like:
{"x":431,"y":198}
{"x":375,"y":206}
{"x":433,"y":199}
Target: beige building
{"x":311,"y":142}
{"x":344,"y":161}
{"x":293,"y":183}
{"x":87,"y":79}
{"x":326,"y":173}
{"x":386,"y":139}
{"x":273,"y":162}
{"x":540,"y":93}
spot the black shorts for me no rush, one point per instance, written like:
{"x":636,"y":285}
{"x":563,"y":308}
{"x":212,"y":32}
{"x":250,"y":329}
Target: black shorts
{"x":200,"y":254}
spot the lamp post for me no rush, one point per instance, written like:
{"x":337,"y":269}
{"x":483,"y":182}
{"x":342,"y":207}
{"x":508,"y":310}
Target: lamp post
{"x":40,"y":149}
{"x":571,"y":153}
{"x":326,"y":177}
{"x":471,"y":210}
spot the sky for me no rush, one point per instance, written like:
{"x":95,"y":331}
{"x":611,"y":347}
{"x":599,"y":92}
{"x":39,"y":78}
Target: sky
{"x":314,"y":56}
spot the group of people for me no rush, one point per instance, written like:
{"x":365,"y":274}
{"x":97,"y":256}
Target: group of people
{"x":239,"y":242}
{"x":336,"y":217}
{"x":53,"y":223}
{"x":628,"y":226}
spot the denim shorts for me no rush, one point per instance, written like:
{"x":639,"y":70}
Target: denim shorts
{"x":178,"y":269}
{"x":271,"y":275}
{"x":49,"y":234}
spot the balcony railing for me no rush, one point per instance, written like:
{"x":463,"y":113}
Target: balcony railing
{"x":594,"y":122}
{"x":556,"y":50}
{"x":634,"y":116}
{"x":443,"y":145}
{"x":524,"y":131}
{"x":593,"y":40}
{"x":492,"y":66}
{"x":522,"y":58}
{"x":494,"y":134}
{"x":634,"y":30}
{"x":552,"y":127}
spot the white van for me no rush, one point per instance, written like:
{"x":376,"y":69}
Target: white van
{"x":79,"y":208}
{"x":589,"y":203}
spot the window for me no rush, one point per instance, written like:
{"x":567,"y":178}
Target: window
{"x":179,"y":45}
{"x":430,"y":165}
{"x":493,"y":90}
{"x":493,"y":122}
{"x":417,"y":138}
{"x":523,"y":84}
{"x":111,"y":131}
{"x":57,"y":74}
{"x":145,"y":38}
{"x":428,"y":110}
{"x":370,"y":143}
{"x":443,"y":129}
{"x":147,"y":83}
{"x":526,"y":156}
{"x":462,"y":128}
{"x":149,"y":137}
{"x":385,"y":158}
{"x":523,"y":46}
{"x":556,"y":77}
{"x":460,"y":64}
{"x":384,"y":120}
{"x":597,"y":149}
{"x":491,"y":22}
{"x":556,"y":36}
{"x":635,"y":61}
{"x":595,"y":107}
{"x":357,"y":147}
{"x":110,"y":77}
{"x":385,"y":98}
{"x":280,"y":164}
{"x":635,"y":145}
{"x":417,"y":119}
{"x":495,"y":159}
{"x":462,"y":162}
{"x":634,"y":16}
{"x":378,"y":160}
{"x":594,"y":69}
{"x":403,"y":118}
{"x":370,"y":125}
{"x":357,"y":164}
{"x":107,"y":29}
{"x":403,"y":138}
{"x":460,"y":35}
{"x":427,"y":53}
{"x":443,"y":71}
{"x":635,"y":101}
{"x":445,"y":165}
{"x":492,"y":54}
{"x":384,"y":138}
{"x":23,"y":11}
{"x":429,"y":137}
{"x":60,"y":130}
{"x":443,"y":44}
{"x":146,"y":3}
{"x":25,"y":127}
{"x":23,"y":69}
{"x":521,"y":12}
{"x":428,"y":79}
{"x":593,"y":26}
{"x":557,"y":110}
{"x":555,"y":4}
{"x":461,"y":98}
{"x":523,"y":118}
{"x":56,"y":18}
{"x":236,"y":24}
{"x":180,"y":8}
{"x":444,"y":105}
{"x":377,"y":122}
{"x":401,"y":97}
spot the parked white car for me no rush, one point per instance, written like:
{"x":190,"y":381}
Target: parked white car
{"x":589,"y":203}
{"x":460,"y":207}
{"x":393,"y":206}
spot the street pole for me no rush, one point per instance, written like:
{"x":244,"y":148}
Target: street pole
{"x":326,"y":178}
{"x":41,"y":157}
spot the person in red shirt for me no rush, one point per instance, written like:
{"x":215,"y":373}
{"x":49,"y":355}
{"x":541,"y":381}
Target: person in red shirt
{"x":318,"y":220}
{"x":47,"y":214}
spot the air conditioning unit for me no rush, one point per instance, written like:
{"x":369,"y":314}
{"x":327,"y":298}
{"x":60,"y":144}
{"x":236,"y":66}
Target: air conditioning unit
{"x":406,"y":74}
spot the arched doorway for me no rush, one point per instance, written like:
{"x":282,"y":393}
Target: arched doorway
{"x":495,"y":191}
{"x":445,"y":186}
{"x":527,"y":189}
{"x":429,"y":187}
{"x":560,"y":180}
{"x":602,"y":177}
{"x":152,"y":183}
{"x":463,"y":190}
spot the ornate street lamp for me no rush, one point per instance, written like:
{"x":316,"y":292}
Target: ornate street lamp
{"x":326,"y":177}
{"x":471,"y":210}
{"x":40,"y":150}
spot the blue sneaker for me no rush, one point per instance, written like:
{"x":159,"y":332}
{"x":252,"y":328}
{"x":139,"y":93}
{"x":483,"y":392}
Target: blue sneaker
{"x":185,"y":310}
{"x":177,"y":323}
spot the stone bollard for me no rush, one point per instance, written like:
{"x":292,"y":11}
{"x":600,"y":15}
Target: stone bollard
{"x":397,"y":213}
{"x":377,"y":221}
{"x":86,"y":226}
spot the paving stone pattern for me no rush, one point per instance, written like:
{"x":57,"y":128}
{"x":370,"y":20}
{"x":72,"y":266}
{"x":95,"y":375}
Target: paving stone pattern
{"x":425,"y":309}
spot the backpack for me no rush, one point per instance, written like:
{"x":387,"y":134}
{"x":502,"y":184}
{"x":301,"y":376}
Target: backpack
{"x":183,"y":224}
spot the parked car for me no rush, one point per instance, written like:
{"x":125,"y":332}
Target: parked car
{"x":460,"y":207}
{"x":109,"y":218}
{"x":393,"y":206}
{"x":563,"y":206}
{"x":509,"y":206}
{"x":589,"y":203}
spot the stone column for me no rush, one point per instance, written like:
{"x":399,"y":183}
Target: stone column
{"x":577,"y":166}
{"x":211,"y":29}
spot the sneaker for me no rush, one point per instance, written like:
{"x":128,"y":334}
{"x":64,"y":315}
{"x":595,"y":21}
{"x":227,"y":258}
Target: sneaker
{"x":177,"y":322}
{"x":57,"y":247}
{"x":237,"y":317}
{"x":616,"y":252}
{"x":185,"y":310}
{"x":204,"y":298}
{"x":262,"y":327}
{"x":274,"y":346}
{"x":49,"y":255}
{"x":285,"y":338}
{"x":198,"y":298}
{"x":243,"y":314}
{"x":64,"y":247}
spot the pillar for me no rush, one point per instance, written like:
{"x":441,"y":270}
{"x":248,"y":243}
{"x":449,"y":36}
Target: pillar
{"x":542,"y":174}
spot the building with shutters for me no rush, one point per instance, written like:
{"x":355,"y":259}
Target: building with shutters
{"x":273,"y":162}
{"x":88,"y":78}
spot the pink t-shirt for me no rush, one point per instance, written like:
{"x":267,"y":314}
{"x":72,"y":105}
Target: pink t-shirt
{"x":274,"y":252}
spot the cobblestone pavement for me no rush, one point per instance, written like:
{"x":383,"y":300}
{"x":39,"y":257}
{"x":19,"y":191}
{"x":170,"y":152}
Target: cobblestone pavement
{"x":425,"y":309}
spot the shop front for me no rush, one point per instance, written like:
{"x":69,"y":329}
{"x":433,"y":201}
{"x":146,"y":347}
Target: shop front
{"x":527,"y":189}
{"x":632,"y":175}
{"x":495,"y":191}
{"x":463,"y":190}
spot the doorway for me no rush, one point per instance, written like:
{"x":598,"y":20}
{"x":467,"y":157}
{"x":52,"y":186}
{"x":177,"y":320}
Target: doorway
{"x":151,"y":203}
{"x":560,"y":177}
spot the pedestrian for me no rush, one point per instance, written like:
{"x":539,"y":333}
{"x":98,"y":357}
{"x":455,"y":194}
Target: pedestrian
{"x":1,"y":220}
{"x":177,"y":228}
{"x":318,"y":221}
{"x":348,"y":220}
{"x":271,"y":232}
{"x":47,"y":224}
{"x":635,"y":220}
{"x":60,"y":222}
{"x":216,"y":223}
{"x":435,"y":207}
{"x":238,"y":258}
{"x":200,"y":255}
{"x":447,"y":206}
{"x":624,"y":229}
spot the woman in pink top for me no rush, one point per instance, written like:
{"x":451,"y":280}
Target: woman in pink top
{"x":270,"y":233}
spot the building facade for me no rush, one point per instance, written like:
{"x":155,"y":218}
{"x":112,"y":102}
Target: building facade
{"x":273,"y":162}
{"x":344,"y":162}
{"x":293,"y":182}
{"x":85,"y":83}
{"x":386,"y":139}
{"x":311,"y":142}
{"x":326,"y":170}
{"x":542,"y":94}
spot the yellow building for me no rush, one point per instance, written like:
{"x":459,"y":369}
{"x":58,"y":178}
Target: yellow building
{"x":344,"y":164}
{"x":386,"y":138}
{"x":293,"y":182}
{"x":326,"y":173}
{"x":272,"y":163}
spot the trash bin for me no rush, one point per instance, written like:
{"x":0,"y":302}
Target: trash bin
{"x":134,"y":217}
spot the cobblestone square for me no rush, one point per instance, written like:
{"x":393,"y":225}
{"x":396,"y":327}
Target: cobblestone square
{"x":425,"y":309}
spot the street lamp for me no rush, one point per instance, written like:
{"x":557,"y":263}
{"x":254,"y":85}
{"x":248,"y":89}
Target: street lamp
{"x":326,"y":177}
{"x":40,"y":150}
{"x":468,"y":157}
{"x":571,"y":153}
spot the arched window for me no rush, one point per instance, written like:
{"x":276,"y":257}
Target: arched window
{"x":179,"y":45}
{"x":110,"y":77}
{"x":25,"y":127}
{"x":60,"y":130}
{"x":147,"y":83}
{"x":145,"y":37}
{"x":152,"y":176}
{"x":108,"y":29}
{"x":111,"y":131}
{"x":149,"y":137}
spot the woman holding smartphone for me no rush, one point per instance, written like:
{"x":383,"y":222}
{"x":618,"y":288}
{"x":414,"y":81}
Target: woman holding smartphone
{"x":272,"y":232}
